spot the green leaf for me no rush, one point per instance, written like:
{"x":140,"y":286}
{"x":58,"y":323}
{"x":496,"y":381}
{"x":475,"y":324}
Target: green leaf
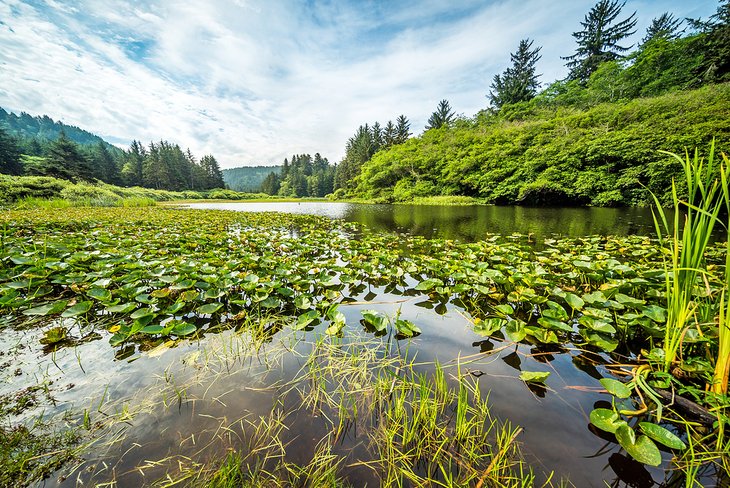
{"x":152,"y":329}
{"x":47,"y":308}
{"x":489,"y":326}
{"x":655,"y":313}
{"x":662,"y":435}
{"x":429,"y":284}
{"x":375,"y":319}
{"x":302,"y":302}
{"x":641,"y":449}
{"x":209,"y":308}
{"x":117,"y":339}
{"x":534,"y":376}
{"x":616,"y":388}
{"x":305,"y":319}
{"x":183,"y":328}
{"x":515,"y":330}
{"x":505,"y":308}
{"x":182,"y":285}
{"x":406,"y":328}
{"x":100,"y":294}
{"x":554,"y":324}
{"x":575,"y":302}
{"x":142,"y":313}
{"x":606,"y":419}
{"x":122,"y":308}
{"x":79,"y":309}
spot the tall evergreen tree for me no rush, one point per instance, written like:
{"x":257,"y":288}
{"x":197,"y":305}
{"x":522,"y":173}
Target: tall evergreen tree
{"x":402,"y":129}
{"x":390,"y":134}
{"x":65,"y":160}
{"x":212,"y":171}
{"x":104,"y":166}
{"x":599,"y":40}
{"x":663,"y":27}
{"x":271,"y":184}
{"x":9,"y":155}
{"x":443,"y":116}
{"x":518,"y":83}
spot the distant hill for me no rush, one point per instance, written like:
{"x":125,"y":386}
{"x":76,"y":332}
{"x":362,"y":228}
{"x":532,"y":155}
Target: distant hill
{"x":44,"y":129}
{"x":248,"y":178}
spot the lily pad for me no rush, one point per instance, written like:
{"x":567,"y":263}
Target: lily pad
{"x":534,"y":376}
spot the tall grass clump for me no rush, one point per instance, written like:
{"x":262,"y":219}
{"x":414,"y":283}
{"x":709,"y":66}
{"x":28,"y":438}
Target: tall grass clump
{"x":689,"y":235}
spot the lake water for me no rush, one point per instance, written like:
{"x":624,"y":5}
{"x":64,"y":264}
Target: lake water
{"x":469,"y":222}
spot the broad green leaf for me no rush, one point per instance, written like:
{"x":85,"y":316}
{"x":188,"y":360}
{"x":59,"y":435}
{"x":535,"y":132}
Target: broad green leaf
{"x":117,"y":339}
{"x":606,"y":419}
{"x":183,"y":328}
{"x":209,"y":308}
{"x":302,"y":302}
{"x":515,"y":330}
{"x":505,"y":308}
{"x":79,"y":309}
{"x":375,"y":319}
{"x":122,"y":308}
{"x":429,"y":284}
{"x":534,"y":376}
{"x":161,"y":293}
{"x":642,"y":449}
{"x":305,"y":319}
{"x":182,"y":285}
{"x":142,"y":313}
{"x":554,"y":324}
{"x":575,"y":302}
{"x":152,"y":329}
{"x":101,"y":294}
{"x":662,"y":435}
{"x":271,"y":302}
{"x":489,"y":326}
{"x":655,"y":313}
{"x":406,"y":328}
{"x":616,"y":388}
{"x":47,"y":308}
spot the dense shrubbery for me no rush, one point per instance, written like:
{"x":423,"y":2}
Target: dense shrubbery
{"x":54,"y":192}
{"x":541,"y":153}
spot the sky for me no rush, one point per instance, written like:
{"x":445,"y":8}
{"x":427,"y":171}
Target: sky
{"x":255,"y":81}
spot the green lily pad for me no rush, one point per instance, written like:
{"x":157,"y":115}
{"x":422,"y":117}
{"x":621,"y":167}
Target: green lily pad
{"x":209,"y":308}
{"x":183,"y":329}
{"x":534,"y":376}
{"x":305,"y":319}
{"x":79,"y":309}
{"x":606,"y":419}
{"x":375,"y":319}
{"x":616,"y":388}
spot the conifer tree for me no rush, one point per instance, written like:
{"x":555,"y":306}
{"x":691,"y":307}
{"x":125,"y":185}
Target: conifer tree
{"x":663,"y":27}
{"x":65,"y":160}
{"x":518,"y":83}
{"x":9,"y":155}
{"x":402,"y":129}
{"x":599,"y":40}
{"x":441,"y":117}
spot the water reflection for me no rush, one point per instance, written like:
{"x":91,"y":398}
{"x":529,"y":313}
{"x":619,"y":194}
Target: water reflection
{"x":467,"y":223}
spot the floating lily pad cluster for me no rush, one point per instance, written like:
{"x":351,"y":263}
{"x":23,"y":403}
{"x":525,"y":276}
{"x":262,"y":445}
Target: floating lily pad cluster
{"x":150,"y":273}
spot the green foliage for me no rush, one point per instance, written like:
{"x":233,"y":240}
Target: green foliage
{"x":9,"y":154}
{"x":304,"y":177}
{"x":540,"y":152}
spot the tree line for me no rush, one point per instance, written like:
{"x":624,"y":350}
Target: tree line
{"x":302,"y":176}
{"x":161,"y":165}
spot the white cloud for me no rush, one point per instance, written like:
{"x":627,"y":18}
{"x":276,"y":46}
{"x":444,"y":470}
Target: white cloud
{"x":255,"y":81}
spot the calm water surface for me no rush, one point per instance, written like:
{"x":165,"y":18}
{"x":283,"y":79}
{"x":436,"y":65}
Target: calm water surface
{"x":468,"y":223}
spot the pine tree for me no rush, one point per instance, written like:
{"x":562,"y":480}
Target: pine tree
{"x":377,"y":136}
{"x":598,"y":42}
{"x":663,"y":27}
{"x":105,"y":168}
{"x":9,"y":155}
{"x":402,"y":129}
{"x":65,"y":160}
{"x":390,"y":134}
{"x":271,"y":184}
{"x":443,"y":116}
{"x":212,"y":171}
{"x":518,"y":83}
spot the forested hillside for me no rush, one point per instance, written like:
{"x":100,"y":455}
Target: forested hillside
{"x":38,"y":146}
{"x":248,"y":178}
{"x":594,"y":138}
{"x":34,"y":134}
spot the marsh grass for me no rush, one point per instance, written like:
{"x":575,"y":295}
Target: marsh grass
{"x":689,"y":237}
